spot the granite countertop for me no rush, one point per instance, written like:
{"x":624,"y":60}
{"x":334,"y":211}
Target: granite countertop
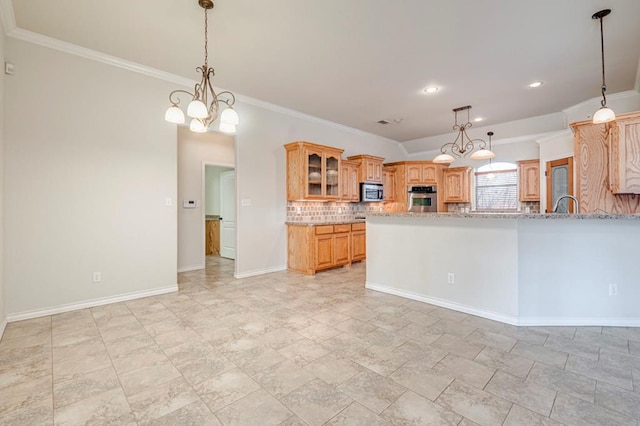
{"x":212,"y":217}
{"x":487,"y":215}
{"x":318,"y":223}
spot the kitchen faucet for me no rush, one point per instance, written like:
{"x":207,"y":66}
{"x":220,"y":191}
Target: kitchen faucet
{"x":555,"y":207}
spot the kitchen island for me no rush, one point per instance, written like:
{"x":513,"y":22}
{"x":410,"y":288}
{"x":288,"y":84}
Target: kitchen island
{"x":522,"y":269}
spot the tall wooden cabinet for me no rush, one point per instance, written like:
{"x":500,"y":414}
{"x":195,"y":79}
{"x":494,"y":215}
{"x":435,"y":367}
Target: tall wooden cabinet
{"x":529,"y":180}
{"x":313,"y":172}
{"x":456,"y":185}
{"x":608,"y":165}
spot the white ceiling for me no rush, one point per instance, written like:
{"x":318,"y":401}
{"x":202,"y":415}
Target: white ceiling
{"x":355,"y":62}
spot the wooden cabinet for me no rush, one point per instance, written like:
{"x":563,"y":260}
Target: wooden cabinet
{"x":389,"y":183}
{"x":358,"y":242}
{"x":212,"y":237}
{"x":314,"y":248}
{"x":369,"y":168}
{"x":529,"y":180}
{"x":599,"y":184}
{"x":422,"y":173}
{"x":313,"y":172}
{"x":349,"y":188}
{"x":624,"y":155}
{"x":457,"y":185}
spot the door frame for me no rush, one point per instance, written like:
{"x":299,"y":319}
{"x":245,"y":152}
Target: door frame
{"x":568,"y":160}
{"x":204,"y":200}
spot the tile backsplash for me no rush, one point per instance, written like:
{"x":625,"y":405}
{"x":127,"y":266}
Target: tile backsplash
{"x":533,"y":206}
{"x":310,"y":211}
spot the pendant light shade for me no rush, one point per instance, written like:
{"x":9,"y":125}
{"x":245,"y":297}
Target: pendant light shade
{"x":604,"y":114}
{"x":482,"y":154}
{"x":197,"y":126}
{"x":444,"y":159}
{"x":174,"y":115}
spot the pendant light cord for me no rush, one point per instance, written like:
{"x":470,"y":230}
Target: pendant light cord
{"x":603,"y":102}
{"x":206,"y":41}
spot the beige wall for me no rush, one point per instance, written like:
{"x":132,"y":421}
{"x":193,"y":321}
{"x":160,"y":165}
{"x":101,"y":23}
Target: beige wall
{"x":193,"y":150}
{"x":88,"y":166}
{"x":3,"y":312}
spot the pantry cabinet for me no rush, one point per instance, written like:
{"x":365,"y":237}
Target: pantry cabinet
{"x":312,"y":248}
{"x":529,"y":180}
{"x":313,"y":172}
{"x":624,"y":155}
{"x":457,"y":185}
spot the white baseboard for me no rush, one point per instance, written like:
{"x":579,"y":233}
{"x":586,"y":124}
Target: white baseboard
{"x":579,"y":322}
{"x":256,"y":272}
{"x":509,"y":319}
{"x":89,"y":303}
{"x":3,"y":325}
{"x":191,"y":268}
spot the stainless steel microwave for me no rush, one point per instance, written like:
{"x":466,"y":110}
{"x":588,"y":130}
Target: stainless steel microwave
{"x":371,"y":192}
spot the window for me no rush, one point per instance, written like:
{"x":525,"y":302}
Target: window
{"x":496,"y":186}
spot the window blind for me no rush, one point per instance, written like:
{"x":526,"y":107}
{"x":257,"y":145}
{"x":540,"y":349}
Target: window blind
{"x":497,"y":190}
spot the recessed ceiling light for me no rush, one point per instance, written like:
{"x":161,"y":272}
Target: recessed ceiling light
{"x":535,"y":84}
{"x":431,"y":89}
{"x":478,"y":119}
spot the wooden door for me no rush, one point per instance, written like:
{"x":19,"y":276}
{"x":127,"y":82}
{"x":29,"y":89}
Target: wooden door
{"x":559,"y":181}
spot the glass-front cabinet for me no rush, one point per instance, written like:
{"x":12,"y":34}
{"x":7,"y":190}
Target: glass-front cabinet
{"x":313,"y":171}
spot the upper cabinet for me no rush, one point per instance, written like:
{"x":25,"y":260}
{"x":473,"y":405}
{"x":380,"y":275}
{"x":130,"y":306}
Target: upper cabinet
{"x":349,"y":181}
{"x":529,"y":180}
{"x":313,"y":172}
{"x":624,"y":156}
{"x":457,"y":185}
{"x":369,"y":168}
{"x":422,"y":173}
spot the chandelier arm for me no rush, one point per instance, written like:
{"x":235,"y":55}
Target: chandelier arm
{"x":229,"y":102}
{"x":176,"y":102}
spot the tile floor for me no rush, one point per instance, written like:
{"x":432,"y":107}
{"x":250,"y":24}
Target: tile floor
{"x":285,"y":349}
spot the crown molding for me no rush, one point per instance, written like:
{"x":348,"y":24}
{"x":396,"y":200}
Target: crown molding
{"x":590,"y":102}
{"x":7,"y":16}
{"x":73,"y":49}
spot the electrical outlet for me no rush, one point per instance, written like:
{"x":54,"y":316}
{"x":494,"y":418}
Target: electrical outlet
{"x":613,"y":289}
{"x":339,"y":210}
{"x":451,"y":278}
{"x":298,"y":211}
{"x":97,"y":277}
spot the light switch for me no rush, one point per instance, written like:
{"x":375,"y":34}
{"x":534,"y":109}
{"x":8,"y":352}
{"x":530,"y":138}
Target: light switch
{"x":167,"y":202}
{"x":246,"y":202}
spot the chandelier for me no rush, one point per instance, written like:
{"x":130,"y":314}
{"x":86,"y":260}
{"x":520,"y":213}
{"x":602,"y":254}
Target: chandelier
{"x":604,"y":114}
{"x":204,"y":107}
{"x":463,"y":144}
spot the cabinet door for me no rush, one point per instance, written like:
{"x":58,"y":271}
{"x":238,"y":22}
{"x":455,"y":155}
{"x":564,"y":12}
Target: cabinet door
{"x":414,"y":173}
{"x":429,"y":173}
{"x":353,"y":184}
{"x":358,"y":245}
{"x":389,"y":185}
{"x":324,"y":251}
{"x":377,"y":171}
{"x":624,"y":157}
{"x":345,"y":187}
{"x":332,"y":173}
{"x":456,"y":185}
{"x":342,"y":248}
{"x":315,"y":173}
{"x":529,"y":180}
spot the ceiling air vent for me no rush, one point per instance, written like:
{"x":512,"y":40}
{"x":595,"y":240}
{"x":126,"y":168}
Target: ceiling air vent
{"x":391,"y":121}
{"x":383,"y":122}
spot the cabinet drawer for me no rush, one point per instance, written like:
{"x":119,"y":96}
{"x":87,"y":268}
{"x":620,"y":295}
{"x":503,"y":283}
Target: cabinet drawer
{"x":358,"y":226}
{"x":324,"y":229}
{"x":341,"y":228}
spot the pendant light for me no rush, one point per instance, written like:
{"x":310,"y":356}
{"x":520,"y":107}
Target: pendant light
{"x":205,"y":104}
{"x":463,"y":144}
{"x":604,"y":114}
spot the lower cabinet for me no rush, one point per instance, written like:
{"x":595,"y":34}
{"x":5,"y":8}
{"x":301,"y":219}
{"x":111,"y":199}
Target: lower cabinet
{"x":212,"y":237}
{"x":311,"y":248}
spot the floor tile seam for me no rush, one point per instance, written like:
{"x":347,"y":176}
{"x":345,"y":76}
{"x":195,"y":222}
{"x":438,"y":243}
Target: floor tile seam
{"x":53,"y":400}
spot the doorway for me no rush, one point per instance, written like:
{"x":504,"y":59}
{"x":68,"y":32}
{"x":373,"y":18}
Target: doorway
{"x":219,"y":213}
{"x":559,"y":177}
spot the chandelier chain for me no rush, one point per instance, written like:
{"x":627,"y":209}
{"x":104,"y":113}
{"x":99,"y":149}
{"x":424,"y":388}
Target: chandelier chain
{"x":206,"y":38}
